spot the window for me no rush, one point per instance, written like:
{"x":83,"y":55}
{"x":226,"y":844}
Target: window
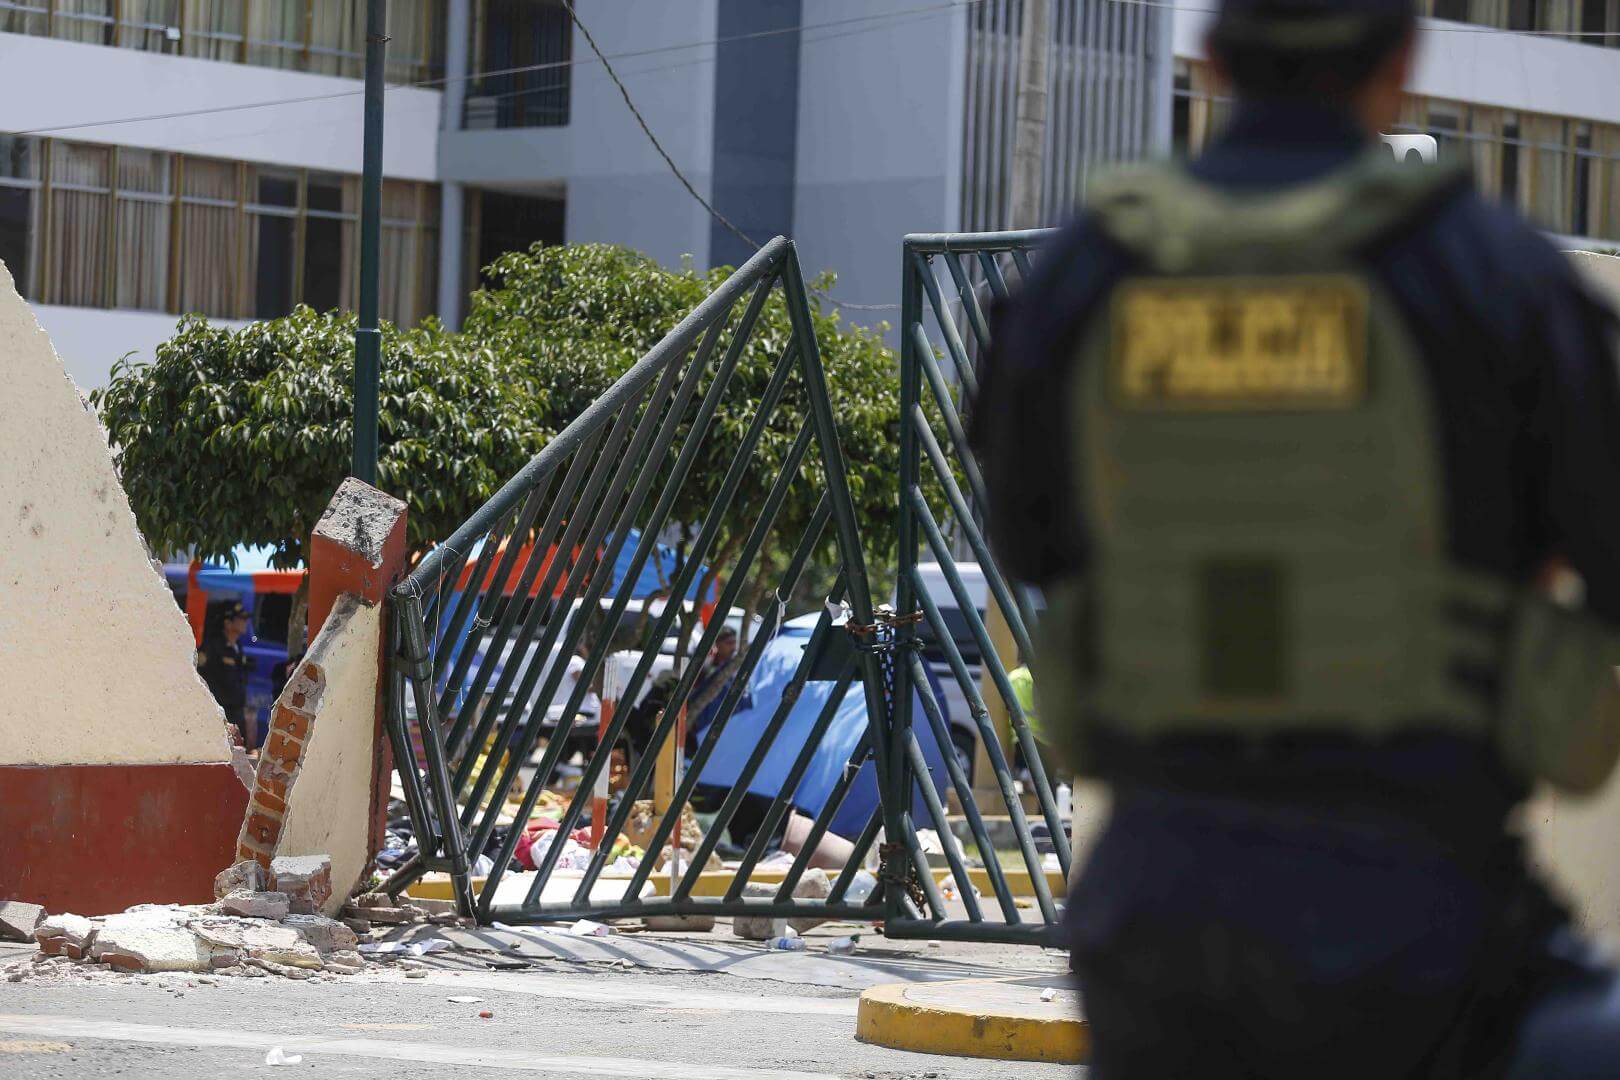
{"x":1509,"y":189}
{"x":329,"y":242}
{"x":90,"y":21}
{"x":151,"y":25}
{"x":215,"y":30}
{"x":210,"y":238}
{"x":145,"y":217}
{"x":24,"y":16}
{"x":323,"y":36}
{"x":123,"y":227}
{"x":272,"y":238}
{"x":78,"y":234}
{"x":1455,"y":10}
{"x":1181,"y":111}
{"x":1581,"y":208}
{"x":19,"y":210}
{"x":511,"y":34}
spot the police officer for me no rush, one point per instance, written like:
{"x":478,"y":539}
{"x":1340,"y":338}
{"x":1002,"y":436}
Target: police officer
{"x":224,"y":666}
{"x":1312,"y":428}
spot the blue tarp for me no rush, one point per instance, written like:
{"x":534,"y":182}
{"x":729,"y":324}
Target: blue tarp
{"x":775,"y":669}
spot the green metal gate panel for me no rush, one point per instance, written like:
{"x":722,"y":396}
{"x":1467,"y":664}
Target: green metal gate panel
{"x":949,"y":281}
{"x":618,"y":467}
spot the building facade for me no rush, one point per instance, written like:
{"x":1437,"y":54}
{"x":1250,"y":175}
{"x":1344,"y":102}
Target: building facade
{"x":167,"y":157}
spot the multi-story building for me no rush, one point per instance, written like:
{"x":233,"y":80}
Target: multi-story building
{"x":175,"y":156}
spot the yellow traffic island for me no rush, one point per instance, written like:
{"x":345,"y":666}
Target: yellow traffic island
{"x":1031,"y":1018}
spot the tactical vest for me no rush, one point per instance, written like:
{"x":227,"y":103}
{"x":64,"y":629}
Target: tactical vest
{"x":1255,"y":454}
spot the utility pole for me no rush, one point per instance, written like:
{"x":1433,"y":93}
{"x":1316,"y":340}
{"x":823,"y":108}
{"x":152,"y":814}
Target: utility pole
{"x":1029,"y":135}
{"x":367,"y":337}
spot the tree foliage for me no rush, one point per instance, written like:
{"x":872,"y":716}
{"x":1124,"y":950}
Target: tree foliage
{"x":240,"y":436}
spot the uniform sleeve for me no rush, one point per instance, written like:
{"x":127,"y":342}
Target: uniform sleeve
{"x":1576,"y":436}
{"x":1019,"y":427}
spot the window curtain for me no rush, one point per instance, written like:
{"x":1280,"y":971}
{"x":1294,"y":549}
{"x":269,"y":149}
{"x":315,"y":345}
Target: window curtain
{"x":1485,"y":127}
{"x":276,"y":32}
{"x":1558,"y":16}
{"x":144,"y":23}
{"x":408,"y":35}
{"x":145,"y":202}
{"x":400,"y":251}
{"x":337,"y":42}
{"x":1548,"y":180}
{"x":1488,"y":12}
{"x":210,"y":239}
{"x":1206,"y":116}
{"x":215,"y":29}
{"x":79,"y":234}
{"x":83,"y":20}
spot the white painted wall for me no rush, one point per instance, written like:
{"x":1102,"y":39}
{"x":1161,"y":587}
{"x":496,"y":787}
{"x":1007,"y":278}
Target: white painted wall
{"x":97,"y":660}
{"x":90,"y":340}
{"x":1461,"y":62}
{"x":329,"y":802}
{"x":95,"y":83}
{"x":879,"y":142}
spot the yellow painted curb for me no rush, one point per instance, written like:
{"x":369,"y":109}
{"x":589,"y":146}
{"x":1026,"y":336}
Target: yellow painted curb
{"x":1006,"y":1031}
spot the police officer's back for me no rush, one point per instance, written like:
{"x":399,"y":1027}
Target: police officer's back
{"x":1310,"y":425}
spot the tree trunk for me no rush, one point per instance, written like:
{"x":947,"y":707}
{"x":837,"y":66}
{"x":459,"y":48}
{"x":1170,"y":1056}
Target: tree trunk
{"x":298,"y":619}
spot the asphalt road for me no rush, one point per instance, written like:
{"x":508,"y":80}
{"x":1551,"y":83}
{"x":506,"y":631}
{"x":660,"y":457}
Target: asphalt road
{"x":554,"y":1020}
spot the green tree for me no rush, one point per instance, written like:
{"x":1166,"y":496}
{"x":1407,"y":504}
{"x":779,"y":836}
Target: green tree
{"x":235,"y":437}
{"x":573,"y":319}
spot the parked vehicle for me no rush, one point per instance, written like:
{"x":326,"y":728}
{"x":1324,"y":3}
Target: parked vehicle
{"x":964,"y":732}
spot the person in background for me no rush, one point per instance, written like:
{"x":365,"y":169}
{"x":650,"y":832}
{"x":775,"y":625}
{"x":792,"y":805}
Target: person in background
{"x":224,"y":667}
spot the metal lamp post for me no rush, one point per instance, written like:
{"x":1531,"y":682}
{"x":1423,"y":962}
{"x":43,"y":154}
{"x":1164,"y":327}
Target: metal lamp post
{"x":367,"y":337}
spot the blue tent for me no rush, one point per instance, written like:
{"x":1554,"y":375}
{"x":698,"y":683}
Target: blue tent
{"x":765,"y":688}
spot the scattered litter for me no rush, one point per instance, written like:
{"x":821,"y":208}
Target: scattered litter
{"x":416,"y":974}
{"x":1049,"y":863}
{"x":1049,"y":993}
{"x":786,"y":943}
{"x":934,"y":944}
{"x":587,"y":928}
{"x":464,"y":999}
{"x":409,"y":948}
{"x":277,"y":1056}
{"x":486,"y":1015}
{"x":860,"y":888}
{"x":843,"y":946}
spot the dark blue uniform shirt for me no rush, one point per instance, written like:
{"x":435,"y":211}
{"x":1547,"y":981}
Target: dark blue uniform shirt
{"x":1524,"y":381}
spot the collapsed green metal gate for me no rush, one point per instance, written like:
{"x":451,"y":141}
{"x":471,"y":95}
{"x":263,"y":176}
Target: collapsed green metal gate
{"x":482,"y":633}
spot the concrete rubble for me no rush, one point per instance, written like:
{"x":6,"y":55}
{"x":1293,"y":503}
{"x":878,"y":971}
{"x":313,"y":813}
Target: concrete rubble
{"x":19,"y":920}
{"x":265,"y":921}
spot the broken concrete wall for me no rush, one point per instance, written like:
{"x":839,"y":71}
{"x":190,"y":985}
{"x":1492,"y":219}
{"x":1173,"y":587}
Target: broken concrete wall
{"x":96,"y":657}
{"x":110,"y":744}
{"x":313,"y":792}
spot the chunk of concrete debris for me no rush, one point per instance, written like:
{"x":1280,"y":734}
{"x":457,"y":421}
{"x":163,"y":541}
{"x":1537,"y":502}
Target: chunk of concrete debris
{"x":256,"y":940}
{"x":245,"y":875}
{"x":326,"y":935}
{"x":255,"y":905}
{"x":132,"y":942}
{"x":814,"y":885}
{"x":18,"y":920}
{"x":389,"y":916}
{"x":359,"y":926}
{"x":65,"y":935}
{"x":306,"y":879}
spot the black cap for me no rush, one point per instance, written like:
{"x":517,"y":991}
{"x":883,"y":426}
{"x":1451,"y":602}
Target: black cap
{"x":1304,"y":26}
{"x":233,"y":610}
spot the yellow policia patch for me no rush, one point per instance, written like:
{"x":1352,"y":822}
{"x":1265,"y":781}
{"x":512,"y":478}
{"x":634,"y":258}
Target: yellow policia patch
{"x":1223,"y":344}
